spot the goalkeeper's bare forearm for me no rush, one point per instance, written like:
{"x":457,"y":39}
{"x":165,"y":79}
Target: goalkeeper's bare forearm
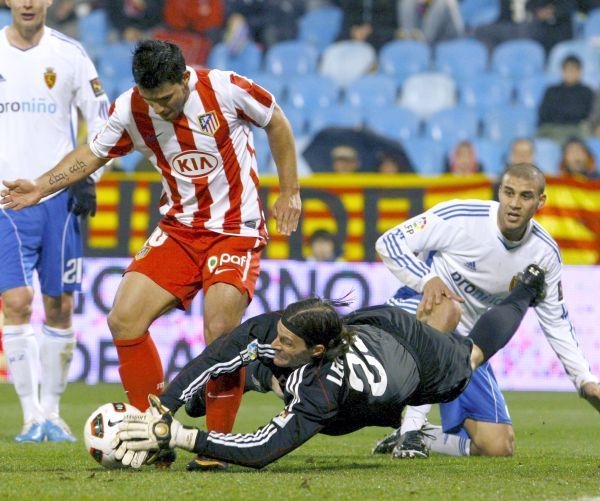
{"x":77,"y":165}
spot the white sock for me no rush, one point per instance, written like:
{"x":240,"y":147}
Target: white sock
{"x":56,"y":355}
{"x":414,"y":418}
{"x":22,"y":353}
{"x":444,"y":443}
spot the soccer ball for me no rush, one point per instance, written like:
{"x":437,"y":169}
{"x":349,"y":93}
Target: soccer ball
{"x":101,"y":427}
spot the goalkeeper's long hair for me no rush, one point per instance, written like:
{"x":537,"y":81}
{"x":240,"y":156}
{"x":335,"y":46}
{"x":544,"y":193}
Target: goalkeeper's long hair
{"x":317,"y":322}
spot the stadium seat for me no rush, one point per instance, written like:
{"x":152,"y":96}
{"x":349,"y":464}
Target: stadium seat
{"x":273,"y":84}
{"x":461,"y":58}
{"x":393,"y":122}
{"x":114,"y":65}
{"x":403,"y":58}
{"x":130,"y":162}
{"x":504,"y":125}
{"x":591,"y":29}
{"x":297,"y":119}
{"x":490,"y":155}
{"x":291,"y":58}
{"x":93,"y":30}
{"x":547,"y":155}
{"x":428,"y":93}
{"x":334,"y":116}
{"x":346,"y":61}
{"x":320,"y":27}
{"x":530,"y":91}
{"x":311,"y":92}
{"x":426,"y":155}
{"x":516,"y":59}
{"x":453,"y":125}
{"x":486,"y":91}
{"x":371,"y":91}
{"x":594,"y":145}
{"x":246,"y":62}
{"x":5,"y":18}
{"x":477,"y":13}
{"x":589,"y":56}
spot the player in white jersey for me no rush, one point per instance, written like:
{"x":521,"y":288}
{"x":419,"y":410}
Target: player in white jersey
{"x":469,"y":250}
{"x":194,"y":126}
{"x":45,"y":78}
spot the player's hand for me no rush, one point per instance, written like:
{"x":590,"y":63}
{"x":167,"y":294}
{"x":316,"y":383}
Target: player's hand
{"x":19,"y":194}
{"x":286,"y":211}
{"x":433,"y":293}
{"x":83,"y":197}
{"x":591,"y":392}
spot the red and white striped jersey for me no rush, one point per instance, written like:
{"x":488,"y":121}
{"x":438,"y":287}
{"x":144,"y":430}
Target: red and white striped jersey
{"x":206,"y":156}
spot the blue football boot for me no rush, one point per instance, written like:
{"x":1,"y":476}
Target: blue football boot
{"x":57,"y":430}
{"x":32,"y":432}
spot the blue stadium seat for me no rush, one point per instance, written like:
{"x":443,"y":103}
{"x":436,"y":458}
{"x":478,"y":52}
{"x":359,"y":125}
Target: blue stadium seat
{"x":504,"y":125}
{"x":594,"y":145}
{"x":591,"y":28}
{"x":114,"y":67}
{"x":334,"y":116}
{"x":486,"y":91}
{"x":428,"y":93}
{"x":261,"y":148}
{"x":547,"y":155}
{"x":461,"y":58}
{"x":246,"y":62}
{"x":393,"y":122}
{"x":129,"y":162}
{"x":518,"y":59}
{"x":477,"y":13}
{"x":320,"y":27}
{"x":311,"y":92}
{"x":5,"y":18}
{"x":371,"y":91}
{"x":273,"y":84}
{"x":530,"y":91}
{"x":402,"y":58}
{"x":583,"y":49}
{"x":490,"y":155}
{"x":348,"y":60}
{"x":93,"y":30}
{"x":297,"y":119}
{"x":453,"y":125}
{"x":426,"y":155}
{"x":291,"y":58}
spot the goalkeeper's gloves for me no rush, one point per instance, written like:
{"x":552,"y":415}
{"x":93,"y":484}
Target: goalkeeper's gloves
{"x":83,"y":197}
{"x":142,"y":437}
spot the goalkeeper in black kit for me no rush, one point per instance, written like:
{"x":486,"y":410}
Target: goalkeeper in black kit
{"x":335,"y":374}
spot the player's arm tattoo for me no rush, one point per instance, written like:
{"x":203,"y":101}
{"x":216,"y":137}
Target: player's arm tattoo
{"x":61,"y":178}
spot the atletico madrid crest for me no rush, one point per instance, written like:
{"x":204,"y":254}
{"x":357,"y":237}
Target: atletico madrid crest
{"x":50,"y":77}
{"x":209,"y":123}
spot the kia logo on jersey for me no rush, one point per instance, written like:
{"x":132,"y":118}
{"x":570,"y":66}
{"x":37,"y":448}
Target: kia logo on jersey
{"x":194,"y":163}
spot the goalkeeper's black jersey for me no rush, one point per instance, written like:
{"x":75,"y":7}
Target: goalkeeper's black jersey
{"x":394,"y":361}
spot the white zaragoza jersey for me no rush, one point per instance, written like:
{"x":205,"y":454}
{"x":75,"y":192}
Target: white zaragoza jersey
{"x":40,"y":91}
{"x":460,"y":242}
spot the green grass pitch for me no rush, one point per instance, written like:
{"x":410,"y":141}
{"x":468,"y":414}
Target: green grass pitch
{"x":557,"y":457}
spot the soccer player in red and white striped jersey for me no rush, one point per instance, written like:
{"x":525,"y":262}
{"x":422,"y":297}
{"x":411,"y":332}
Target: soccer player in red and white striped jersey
{"x":194,"y":126}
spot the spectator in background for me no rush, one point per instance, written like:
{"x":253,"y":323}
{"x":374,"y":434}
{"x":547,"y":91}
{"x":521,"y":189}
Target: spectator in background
{"x":372,"y":21}
{"x":430,"y":20}
{"x":134,"y":18}
{"x":344,"y":159}
{"x":546,"y":21}
{"x":566,"y":106}
{"x":578,"y":160}
{"x":64,"y":15}
{"x":201,"y":16}
{"x":463,"y":160}
{"x":393,"y":164}
{"x":324,"y":247}
{"x":522,"y":151}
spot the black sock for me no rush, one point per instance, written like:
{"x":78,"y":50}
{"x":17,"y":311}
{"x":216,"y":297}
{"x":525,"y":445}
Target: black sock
{"x":497,"y":326}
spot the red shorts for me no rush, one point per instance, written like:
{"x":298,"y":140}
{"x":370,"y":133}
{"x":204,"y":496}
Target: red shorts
{"x":183,"y":260}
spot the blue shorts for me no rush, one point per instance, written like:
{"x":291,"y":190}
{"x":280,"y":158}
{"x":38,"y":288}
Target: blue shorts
{"x":45,"y":238}
{"x":482,"y":400}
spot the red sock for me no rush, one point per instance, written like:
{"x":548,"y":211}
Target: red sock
{"x":141,"y":369}
{"x":223,"y":398}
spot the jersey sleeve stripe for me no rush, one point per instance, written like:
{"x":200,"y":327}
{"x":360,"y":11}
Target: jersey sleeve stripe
{"x":243,"y":116}
{"x":415,"y":267}
{"x":535,"y":231}
{"x":123,"y":147}
{"x":233,"y":215}
{"x":145,"y":127}
{"x":255,"y":90}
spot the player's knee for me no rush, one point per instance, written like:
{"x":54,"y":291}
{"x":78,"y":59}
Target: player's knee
{"x":215,"y":327}
{"x":501,"y":446}
{"x":58,"y":311}
{"x":120,"y":325}
{"x":444,"y":317}
{"x":17,"y":307}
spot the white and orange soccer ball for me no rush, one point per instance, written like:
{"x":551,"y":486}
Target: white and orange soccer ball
{"x":101,"y":427}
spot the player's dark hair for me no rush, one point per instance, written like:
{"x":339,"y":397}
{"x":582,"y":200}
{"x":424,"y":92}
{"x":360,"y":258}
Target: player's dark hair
{"x":526,"y":171}
{"x":317,"y":322}
{"x":156,"y":62}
